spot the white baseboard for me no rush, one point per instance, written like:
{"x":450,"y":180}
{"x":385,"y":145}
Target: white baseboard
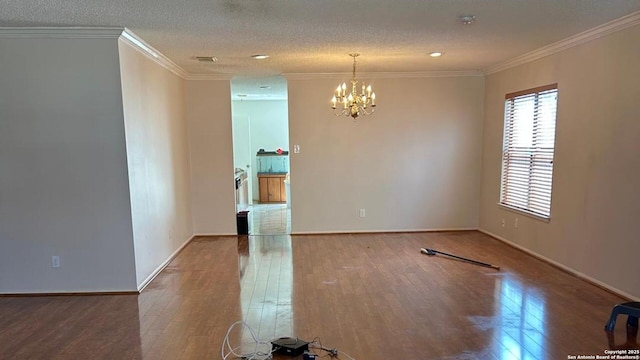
{"x":338,"y":232}
{"x":570,"y":270}
{"x":159,"y":269}
{"x":68,"y":293}
{"x":215,"y":234}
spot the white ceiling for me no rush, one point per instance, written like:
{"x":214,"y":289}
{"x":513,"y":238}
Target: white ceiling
{"x":316,"y":36}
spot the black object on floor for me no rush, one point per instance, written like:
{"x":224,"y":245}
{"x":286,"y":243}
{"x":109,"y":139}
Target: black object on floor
{"x":289,"y":346}
{"x":309,"y":356}
{"x":242,"y":222}
{"x":432,"y":252}
{"x":631,"y":309}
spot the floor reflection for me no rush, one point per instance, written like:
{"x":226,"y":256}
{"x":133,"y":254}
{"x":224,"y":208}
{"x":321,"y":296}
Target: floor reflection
{"x":266,"y":278}
{"x":630,"y":343}
{"x":521,"y":321}
{"x":243,"y":254}
{"x":270,"y":219}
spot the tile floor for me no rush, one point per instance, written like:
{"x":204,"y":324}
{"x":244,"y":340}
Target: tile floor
{"x":270,"y":219}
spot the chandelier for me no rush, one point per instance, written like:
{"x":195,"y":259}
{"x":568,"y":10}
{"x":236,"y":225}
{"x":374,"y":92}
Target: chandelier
{"x":353,"y":104}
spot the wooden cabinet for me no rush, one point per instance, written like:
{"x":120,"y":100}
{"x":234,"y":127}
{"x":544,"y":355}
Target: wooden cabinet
{"x":272,"y":188}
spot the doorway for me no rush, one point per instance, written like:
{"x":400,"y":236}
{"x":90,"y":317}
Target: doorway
{"x":261,"y":150}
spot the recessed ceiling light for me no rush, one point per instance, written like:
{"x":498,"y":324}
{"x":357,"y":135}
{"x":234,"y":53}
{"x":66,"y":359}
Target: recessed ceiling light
{"x":242,"y":95}
{"x":467,"y":19}
{"x":436,"y":54}
{"x":259,"y":56}
{"x":207,"y":58}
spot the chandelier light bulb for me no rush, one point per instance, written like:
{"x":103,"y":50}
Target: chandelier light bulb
{"x":354,"y":104}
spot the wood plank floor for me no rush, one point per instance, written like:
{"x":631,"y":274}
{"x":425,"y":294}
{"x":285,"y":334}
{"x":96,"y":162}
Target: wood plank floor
{"x":373,"y":296}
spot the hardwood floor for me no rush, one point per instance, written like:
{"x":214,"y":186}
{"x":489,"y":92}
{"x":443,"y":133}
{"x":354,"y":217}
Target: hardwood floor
{"x":373,"y":296}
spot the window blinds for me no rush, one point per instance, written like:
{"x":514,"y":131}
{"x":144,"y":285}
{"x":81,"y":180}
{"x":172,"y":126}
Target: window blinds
{"x":527,"y":156}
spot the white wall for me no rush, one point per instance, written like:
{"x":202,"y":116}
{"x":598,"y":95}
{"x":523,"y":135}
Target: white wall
{"x":63,"y":167}
{"x":595,"y":201}
{"x":412,"y":165}
{"x":269,"y":128}
{"x":211,"y":149}
{"x":158,"y":159}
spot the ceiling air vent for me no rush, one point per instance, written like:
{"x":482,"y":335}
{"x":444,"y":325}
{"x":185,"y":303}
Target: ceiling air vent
{"x":207,"y":59}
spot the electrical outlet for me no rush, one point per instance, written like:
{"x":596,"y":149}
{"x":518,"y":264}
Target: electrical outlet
{"x":504,"y":223}
{"x":296,"y":149}
{"x":515,"y":223}
{"x":362,"y":213}
{"x":55,"y":261}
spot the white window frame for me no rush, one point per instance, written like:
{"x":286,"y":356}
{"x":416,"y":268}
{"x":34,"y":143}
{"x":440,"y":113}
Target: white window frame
{"x":528,"y":151}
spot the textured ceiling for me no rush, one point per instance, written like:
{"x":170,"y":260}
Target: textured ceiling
{"x":316,"y":36}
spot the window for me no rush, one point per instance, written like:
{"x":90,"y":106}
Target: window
{"x":527,"y":153}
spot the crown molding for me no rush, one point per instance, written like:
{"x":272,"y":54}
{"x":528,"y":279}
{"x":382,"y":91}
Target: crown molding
{"x":61,"y":32}
{"x":130,"y":38}
{"x":92,"y":33}
{"x":274,"y":98}
{"x":575,"y":40}
{"x":382,"y":75}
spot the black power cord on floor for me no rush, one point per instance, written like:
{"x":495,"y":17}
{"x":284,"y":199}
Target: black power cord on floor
{"x":260,"y":352}
{"x":333,"y":352}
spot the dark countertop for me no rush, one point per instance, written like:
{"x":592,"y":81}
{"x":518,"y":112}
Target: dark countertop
{"x":272,"y":153}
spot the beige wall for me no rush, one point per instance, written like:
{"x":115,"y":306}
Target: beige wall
{"x":158,"y":159}
{"x":63,"y":167}
{"x":412,"y":165}
{"x":211,"y":147}
{"x":595,"y":200}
